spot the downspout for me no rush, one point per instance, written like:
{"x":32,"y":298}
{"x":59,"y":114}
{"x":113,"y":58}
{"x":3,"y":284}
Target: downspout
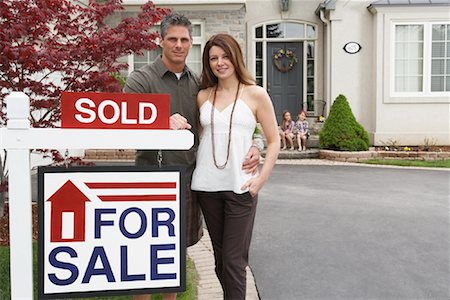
{"x":327,"y":56}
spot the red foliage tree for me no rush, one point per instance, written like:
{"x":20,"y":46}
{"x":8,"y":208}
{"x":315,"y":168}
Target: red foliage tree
{"x":50,"y":46}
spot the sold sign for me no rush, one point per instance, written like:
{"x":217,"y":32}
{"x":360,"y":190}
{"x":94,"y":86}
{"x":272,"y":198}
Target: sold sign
{"x":114,"y":110}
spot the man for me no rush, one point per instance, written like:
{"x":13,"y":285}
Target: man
{"x":168,"y":74}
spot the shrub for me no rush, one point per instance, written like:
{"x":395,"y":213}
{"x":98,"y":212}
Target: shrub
{"x":341,"y":131}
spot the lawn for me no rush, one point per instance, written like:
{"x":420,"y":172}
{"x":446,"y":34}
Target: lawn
{"x":443,"y":163}
{"x":191,"y":278}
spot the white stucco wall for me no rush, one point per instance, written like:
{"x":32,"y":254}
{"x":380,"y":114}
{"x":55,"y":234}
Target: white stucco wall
{"x":352,"y":74}
{"x":407,"y":120}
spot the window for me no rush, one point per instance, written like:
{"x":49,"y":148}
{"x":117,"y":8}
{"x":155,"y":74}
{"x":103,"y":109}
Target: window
{"x":408,"y":58}
{"x":287,"y":30}
{"x":259,"y":63}
{"x":193,"y":60}
{"x":310,"y":76}
{"x":421,"y":58}
{"x":440,"y":58}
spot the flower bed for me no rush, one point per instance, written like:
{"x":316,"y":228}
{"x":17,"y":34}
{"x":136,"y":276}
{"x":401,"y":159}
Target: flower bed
{"x":4,"y":224}
{"x":357,"y":156}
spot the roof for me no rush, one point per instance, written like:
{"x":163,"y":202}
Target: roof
{"x":326,"y":5}
{"x":410,"y":2}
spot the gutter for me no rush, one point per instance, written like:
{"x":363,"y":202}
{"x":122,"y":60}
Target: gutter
{"x":373,"y":6}
{"x":320,"y":11}
{"x":326,"y":5}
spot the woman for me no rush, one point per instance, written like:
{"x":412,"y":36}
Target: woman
{"x":230,"y":104}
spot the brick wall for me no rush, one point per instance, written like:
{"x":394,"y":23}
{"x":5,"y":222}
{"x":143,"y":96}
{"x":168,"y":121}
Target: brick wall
{"x":215,"y":21}
{"x":357,"y":156}
{"x":222,"y":21}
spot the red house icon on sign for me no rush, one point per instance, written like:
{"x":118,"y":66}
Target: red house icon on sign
{"x":68,"y":199}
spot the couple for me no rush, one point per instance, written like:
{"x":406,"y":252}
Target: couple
{"x":222,"y":116}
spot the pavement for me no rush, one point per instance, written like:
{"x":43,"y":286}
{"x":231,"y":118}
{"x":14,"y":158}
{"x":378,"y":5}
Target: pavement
{"x":396,"y":249}
{"x":351,"y":231}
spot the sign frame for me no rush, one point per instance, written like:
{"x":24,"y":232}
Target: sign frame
{"x":181,"y":170}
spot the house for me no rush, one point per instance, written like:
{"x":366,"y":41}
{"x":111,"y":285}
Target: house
{"x":390,"y":58}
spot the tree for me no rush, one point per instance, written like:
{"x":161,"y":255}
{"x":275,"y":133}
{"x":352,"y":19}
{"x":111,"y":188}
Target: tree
{"x":341,"y":131}
{"x":50,"y":46}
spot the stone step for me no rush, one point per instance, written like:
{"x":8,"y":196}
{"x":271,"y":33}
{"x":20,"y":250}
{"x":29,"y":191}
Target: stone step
{"x":295,"y":154}
{"x":313,"y":142}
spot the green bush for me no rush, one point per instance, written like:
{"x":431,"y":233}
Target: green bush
{"x":341,"y":131}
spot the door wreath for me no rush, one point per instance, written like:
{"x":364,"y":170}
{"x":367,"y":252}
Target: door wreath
{"x":284,"y":61}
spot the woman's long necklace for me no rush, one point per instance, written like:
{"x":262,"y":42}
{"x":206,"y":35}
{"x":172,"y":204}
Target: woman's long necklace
{"x":229,"y":129}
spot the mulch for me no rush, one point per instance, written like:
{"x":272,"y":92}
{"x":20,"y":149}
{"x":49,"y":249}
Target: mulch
{"x":4,"y":224}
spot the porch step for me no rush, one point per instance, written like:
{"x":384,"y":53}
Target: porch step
{"x":295,"y":154}
{"x":313,"y":141}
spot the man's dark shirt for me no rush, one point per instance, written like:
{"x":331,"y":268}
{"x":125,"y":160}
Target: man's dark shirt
{"x":155,"y":78}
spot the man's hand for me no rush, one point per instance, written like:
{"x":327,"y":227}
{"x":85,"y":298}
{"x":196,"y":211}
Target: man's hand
{"x":177,"y":122}
{"x":251,"y":162}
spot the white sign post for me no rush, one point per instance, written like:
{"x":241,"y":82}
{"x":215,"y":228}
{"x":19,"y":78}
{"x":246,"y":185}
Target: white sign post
{"x":18,"y":138}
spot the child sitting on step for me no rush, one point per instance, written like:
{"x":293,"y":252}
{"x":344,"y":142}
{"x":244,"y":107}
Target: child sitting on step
{"x":287,"y":127}
{"x":302,"y":130}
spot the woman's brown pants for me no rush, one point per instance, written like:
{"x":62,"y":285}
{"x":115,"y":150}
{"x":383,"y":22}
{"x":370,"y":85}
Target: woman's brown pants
{"x":229,"y":218}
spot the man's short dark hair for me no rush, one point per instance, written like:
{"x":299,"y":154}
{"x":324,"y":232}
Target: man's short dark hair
{"x":175,"y":19}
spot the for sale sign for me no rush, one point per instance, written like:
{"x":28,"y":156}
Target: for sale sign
{"x":114,"y":110}
{"x":110,"y":231}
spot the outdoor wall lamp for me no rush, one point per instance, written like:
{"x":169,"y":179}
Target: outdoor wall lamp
{"x":284,"y":5}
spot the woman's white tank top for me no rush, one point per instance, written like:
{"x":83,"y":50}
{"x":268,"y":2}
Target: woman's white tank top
{"x":207,"y":177}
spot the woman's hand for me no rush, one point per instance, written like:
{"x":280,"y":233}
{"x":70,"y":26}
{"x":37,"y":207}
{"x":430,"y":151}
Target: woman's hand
{"x":251,"y":162}
{"x":254,"y":185}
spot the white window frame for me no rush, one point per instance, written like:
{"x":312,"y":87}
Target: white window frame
{"x":426,"y":95}
{"x":196,"y":40}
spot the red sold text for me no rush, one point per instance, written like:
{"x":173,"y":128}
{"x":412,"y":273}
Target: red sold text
{"x":115,"y":111}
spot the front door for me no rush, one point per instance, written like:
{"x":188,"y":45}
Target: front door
{"x":285,"y":78}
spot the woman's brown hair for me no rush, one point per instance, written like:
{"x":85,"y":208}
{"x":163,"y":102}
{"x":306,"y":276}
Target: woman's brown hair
{"x":231,"y":47}
{"x":283,"y":121}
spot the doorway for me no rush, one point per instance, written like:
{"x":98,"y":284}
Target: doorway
{"x":285,"y":77}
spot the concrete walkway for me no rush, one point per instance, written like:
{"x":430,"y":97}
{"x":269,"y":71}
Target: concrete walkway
{"x":208,"y":287}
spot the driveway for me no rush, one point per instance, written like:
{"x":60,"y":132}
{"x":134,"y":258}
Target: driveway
{"x":346,"y":232}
